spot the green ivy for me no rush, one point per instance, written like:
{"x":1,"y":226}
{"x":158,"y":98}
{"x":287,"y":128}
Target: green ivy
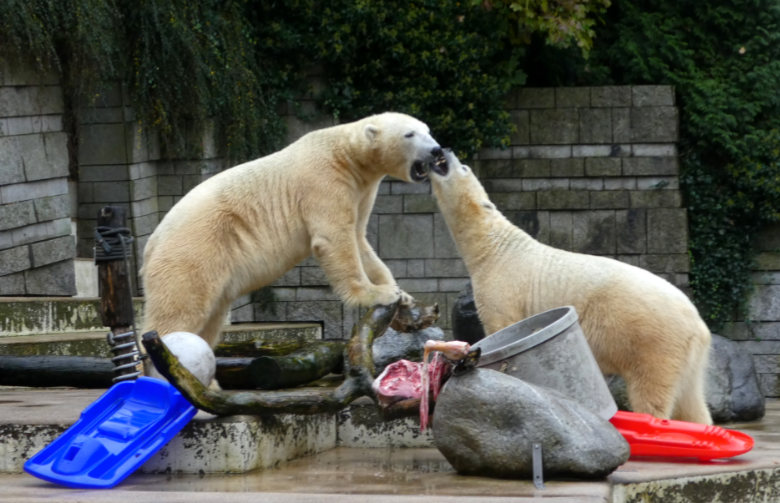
{"x":182,"y":64}
{"x":237,"y":63}
{"x":444,"y":62}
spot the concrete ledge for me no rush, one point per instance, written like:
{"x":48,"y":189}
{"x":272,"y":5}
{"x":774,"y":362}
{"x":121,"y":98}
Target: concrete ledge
{"x":754,"y":485}
{"x":33,"y":418}
{"x":238,"y":444}
{"x":362,"y":425}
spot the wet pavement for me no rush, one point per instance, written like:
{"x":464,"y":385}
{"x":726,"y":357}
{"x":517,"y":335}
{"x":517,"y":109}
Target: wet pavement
{"x":422,"y":474}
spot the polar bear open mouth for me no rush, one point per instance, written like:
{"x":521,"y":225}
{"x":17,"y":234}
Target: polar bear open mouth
{"x":420,"y":170}
{"x":440,"y":165}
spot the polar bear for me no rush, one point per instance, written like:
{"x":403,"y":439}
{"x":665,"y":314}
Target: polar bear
{"x":245,"y":227}
{"x":638,"y":325}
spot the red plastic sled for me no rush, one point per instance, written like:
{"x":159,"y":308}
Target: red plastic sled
{"x":650,"y":436}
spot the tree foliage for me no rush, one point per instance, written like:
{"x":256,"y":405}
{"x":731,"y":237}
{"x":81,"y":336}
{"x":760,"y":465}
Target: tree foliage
{"x":562,"y":23}
{"x":236,"y":62}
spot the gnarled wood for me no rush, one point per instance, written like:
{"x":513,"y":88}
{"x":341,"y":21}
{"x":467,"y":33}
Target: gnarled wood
{"x":358,"y":371}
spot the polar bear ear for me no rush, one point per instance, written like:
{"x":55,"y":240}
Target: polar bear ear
{"x":371,"y":131}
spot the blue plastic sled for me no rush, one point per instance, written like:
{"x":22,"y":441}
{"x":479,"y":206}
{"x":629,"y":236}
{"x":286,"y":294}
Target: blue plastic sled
{"x":114,"y":435}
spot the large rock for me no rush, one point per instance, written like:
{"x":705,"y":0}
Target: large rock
{"x":394,"y":345}
{"x":466,"y":325}
{"x":486,"y":422}
{"x":733,"y":392}
{"x":731,"y":386}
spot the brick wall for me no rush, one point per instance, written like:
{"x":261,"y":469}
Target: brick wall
{"x":36,"y":245}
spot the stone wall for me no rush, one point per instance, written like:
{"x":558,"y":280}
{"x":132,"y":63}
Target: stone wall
{"x":36,"y":245}
{"x":589,"y":169}
{"x":120,"y":164}
{"x":595,"y":170}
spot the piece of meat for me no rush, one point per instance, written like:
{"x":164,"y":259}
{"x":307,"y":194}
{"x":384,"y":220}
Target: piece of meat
{"x":404,"y":380}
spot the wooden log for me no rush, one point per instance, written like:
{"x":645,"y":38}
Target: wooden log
{"x":410,"y":318}
{"x":304,"y":401}
{"x":116,"y":302}
{"x":49,"y":371}
{"x":274,"y":372}
{"x":257,"y":348}
{"x":113,"y":245}
{"x":359,"y":355}
{"x":358,"y":370}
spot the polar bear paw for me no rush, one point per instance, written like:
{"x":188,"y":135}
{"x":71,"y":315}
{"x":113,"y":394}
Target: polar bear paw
{"x":383,"y":295}
{"x":405,"y":298}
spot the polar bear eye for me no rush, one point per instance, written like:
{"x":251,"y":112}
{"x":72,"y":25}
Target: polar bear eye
{"x":409,"y":134}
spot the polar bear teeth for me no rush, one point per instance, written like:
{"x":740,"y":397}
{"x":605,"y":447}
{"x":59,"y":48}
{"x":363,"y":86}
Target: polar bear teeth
{"x":440,"y":166}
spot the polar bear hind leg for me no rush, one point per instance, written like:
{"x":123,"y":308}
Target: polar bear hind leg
{"x":691,"y":404}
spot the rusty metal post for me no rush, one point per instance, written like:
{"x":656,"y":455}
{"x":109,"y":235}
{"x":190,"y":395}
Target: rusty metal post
{"x":112,"y":256}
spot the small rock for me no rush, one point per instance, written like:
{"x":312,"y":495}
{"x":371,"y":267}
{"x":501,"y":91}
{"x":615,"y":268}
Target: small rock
{"x":394,"y":346}
{"x":485,"y":423}
{"x":466,"y":325}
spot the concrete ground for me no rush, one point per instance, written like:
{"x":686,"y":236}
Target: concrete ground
{"x":346,"y":475}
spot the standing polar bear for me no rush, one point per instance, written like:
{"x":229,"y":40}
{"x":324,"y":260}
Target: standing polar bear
{"x":245,"y":227}
{"x":638,"y":325}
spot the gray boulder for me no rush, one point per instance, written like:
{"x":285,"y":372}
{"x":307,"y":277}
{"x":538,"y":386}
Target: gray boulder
{"x":394,"y":345}
{"x":731,"y":386}
{"x":733,"y":392}
{"x":486,"y":422}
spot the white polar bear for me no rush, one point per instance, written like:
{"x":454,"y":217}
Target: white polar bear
{"x":638,"y":325}
{"x":245,"y":227}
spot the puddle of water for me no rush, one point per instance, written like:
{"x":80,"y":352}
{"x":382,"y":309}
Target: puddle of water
{"x":404,"y":471}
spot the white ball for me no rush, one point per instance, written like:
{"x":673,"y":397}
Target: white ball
{"x":194,"y":353}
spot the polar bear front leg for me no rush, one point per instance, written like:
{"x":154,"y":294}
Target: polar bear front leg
{"x":377,"y":271}
{"x":339,"y":256}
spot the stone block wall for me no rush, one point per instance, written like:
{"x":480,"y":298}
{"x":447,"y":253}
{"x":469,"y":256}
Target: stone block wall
{"x":589,"y":169}
{"x":120,"y":164}
{"x":116,"y":166}
{"x":595,"y":170}
{"x":36,"y":245}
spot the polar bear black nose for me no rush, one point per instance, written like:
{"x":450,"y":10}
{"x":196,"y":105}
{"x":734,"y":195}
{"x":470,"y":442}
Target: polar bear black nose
{"x":437,"y":152}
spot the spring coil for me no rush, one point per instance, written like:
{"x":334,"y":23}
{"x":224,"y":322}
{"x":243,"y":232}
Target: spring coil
{"x":125,"y":361}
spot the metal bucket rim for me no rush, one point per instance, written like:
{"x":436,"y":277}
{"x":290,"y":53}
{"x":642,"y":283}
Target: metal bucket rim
{"x":529,"y":341}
